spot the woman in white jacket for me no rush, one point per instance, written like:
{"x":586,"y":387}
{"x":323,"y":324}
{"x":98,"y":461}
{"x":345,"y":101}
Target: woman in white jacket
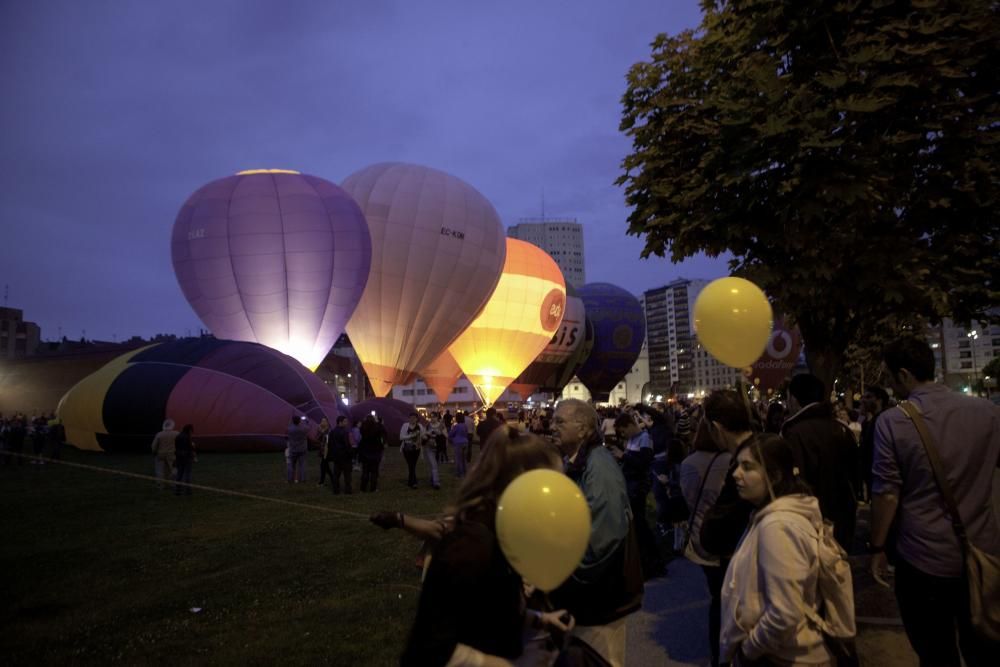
{"x":772,"y":579}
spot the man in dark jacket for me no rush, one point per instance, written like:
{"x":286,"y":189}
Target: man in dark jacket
{"x":485,"y":428}
{"x":826,"y":454}
{"x":873,"y":403}
{"x":341,"y":453}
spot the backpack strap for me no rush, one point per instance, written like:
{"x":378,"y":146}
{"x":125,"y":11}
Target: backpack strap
{"x":913,"y":413}
{"x":708,"y":471}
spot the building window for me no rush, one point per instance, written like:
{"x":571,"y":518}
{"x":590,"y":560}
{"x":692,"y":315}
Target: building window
{"x":965,"y":355}
{"x":964,"y":343}
{"x":967,"y":364}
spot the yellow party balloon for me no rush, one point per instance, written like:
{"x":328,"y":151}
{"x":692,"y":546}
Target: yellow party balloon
{"x":543,"y":524}
{"x":733,"y":319}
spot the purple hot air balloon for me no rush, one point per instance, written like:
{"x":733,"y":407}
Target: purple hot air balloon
{"x":274,"y":257}
{"x":619,"y":331}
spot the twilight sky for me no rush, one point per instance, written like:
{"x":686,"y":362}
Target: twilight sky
{"x":113,"y":112}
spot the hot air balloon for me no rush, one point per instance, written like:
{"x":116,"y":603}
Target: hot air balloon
{"x":437,"y":251}
{"x":274,"y":257}
{"x":517,"y":322}
{"x":619,"y":331}
{"x":441,"y":375}
{"x":543,"y":371}
{"x":239,"y":396}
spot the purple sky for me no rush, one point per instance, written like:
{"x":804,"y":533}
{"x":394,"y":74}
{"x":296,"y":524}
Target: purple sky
{"x":114,"y":112}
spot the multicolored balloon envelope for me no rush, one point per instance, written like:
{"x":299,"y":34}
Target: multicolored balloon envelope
{"x":437,"y":251}
{"x":240,"y":397}
{"x":516,"y":323}
{"x":273,"y":257}
{"x":545,"y":369}
{"x":619,"y":331}
{"x":441,"y":375}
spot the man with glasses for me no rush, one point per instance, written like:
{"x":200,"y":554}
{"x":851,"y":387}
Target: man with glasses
{"x":607,"y":585}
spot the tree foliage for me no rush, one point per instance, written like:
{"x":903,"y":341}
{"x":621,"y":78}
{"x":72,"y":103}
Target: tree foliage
{"x":844,"y":152}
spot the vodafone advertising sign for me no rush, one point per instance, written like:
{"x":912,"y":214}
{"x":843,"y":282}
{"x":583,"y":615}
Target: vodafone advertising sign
{"x":779,"y":358}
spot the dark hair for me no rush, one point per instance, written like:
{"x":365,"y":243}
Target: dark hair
{"x":777,"y":462}
{"x":913,"y":354}
{"x":807,"y":388}
{"x":703,"y":440}
{"x":726,"y":407}
{"x":341,"y":419}
{"x":879,"y":393}
{"x":624,"y":419}
{"x":853,"y":414}
{"x":414,"y":414}
{"x":188,"y":428}
{"x":296,"y":419}
{"x":775,"y":417}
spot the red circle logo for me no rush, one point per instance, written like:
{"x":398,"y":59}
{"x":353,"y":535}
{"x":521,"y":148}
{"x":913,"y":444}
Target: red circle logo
{"x":552,"y":311}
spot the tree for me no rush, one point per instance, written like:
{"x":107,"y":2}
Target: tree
{"x":844,"y":152}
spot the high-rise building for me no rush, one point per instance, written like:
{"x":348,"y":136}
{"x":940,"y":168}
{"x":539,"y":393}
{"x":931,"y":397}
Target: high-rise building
{"x":17,"y":337}
{"x":677,"y":363}
{"x":962,"y":352}
{"x":562,"y":238}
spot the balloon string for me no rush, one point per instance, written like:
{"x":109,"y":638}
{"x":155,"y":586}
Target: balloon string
{"x":200,"y":487}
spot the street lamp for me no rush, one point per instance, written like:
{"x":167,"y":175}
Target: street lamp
{"x":974,"y":336}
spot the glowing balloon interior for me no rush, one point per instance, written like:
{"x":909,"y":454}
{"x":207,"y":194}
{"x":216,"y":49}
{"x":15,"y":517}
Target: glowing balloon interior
{"x":274,"y":257}
{"x":437,"y":252}
{"x":516,"y":324}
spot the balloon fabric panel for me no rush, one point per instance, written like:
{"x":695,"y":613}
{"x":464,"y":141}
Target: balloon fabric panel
{"x":437,"y":251}
{"x":515,"y":324}
{"x":441,"y":375}
{"x":136,"y":402}
{"x":81,"y":408}
{"x":219,"y":404}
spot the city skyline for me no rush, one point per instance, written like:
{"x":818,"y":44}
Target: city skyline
{"x":116,"y":113}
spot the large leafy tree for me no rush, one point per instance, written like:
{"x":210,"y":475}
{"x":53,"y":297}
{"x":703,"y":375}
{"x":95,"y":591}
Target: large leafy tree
{"x":844,"y":152}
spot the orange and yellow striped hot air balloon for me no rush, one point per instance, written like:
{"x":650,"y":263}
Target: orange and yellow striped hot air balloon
{"x":517,"y":322}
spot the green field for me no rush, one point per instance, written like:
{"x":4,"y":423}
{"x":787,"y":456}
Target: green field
{"x":100,"y":568}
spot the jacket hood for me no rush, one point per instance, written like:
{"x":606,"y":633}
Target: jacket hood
{"x":803,"y":505}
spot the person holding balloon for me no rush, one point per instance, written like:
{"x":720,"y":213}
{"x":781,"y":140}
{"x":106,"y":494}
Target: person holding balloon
{"x":472,"y":608}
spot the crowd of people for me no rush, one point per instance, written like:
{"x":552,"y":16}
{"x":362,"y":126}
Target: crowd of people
{"x":763,"y":497}
{"x":44,"y":434}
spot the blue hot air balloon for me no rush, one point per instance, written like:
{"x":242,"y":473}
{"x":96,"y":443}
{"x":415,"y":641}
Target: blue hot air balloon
{"x":619,"y":331}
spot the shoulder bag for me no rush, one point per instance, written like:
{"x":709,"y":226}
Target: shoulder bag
{"x":982,"y":570}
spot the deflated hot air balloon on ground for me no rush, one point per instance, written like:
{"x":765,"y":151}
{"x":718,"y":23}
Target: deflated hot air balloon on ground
{"x":240,"y":397}
{"x":517,"y":322}
{"x":544,"y":371}
{"x":437,"y":251}
{"x":619,"y":331}
{"x":274,"y":257}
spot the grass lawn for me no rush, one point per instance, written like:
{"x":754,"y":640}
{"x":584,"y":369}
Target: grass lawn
{"x":99,"y":568}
